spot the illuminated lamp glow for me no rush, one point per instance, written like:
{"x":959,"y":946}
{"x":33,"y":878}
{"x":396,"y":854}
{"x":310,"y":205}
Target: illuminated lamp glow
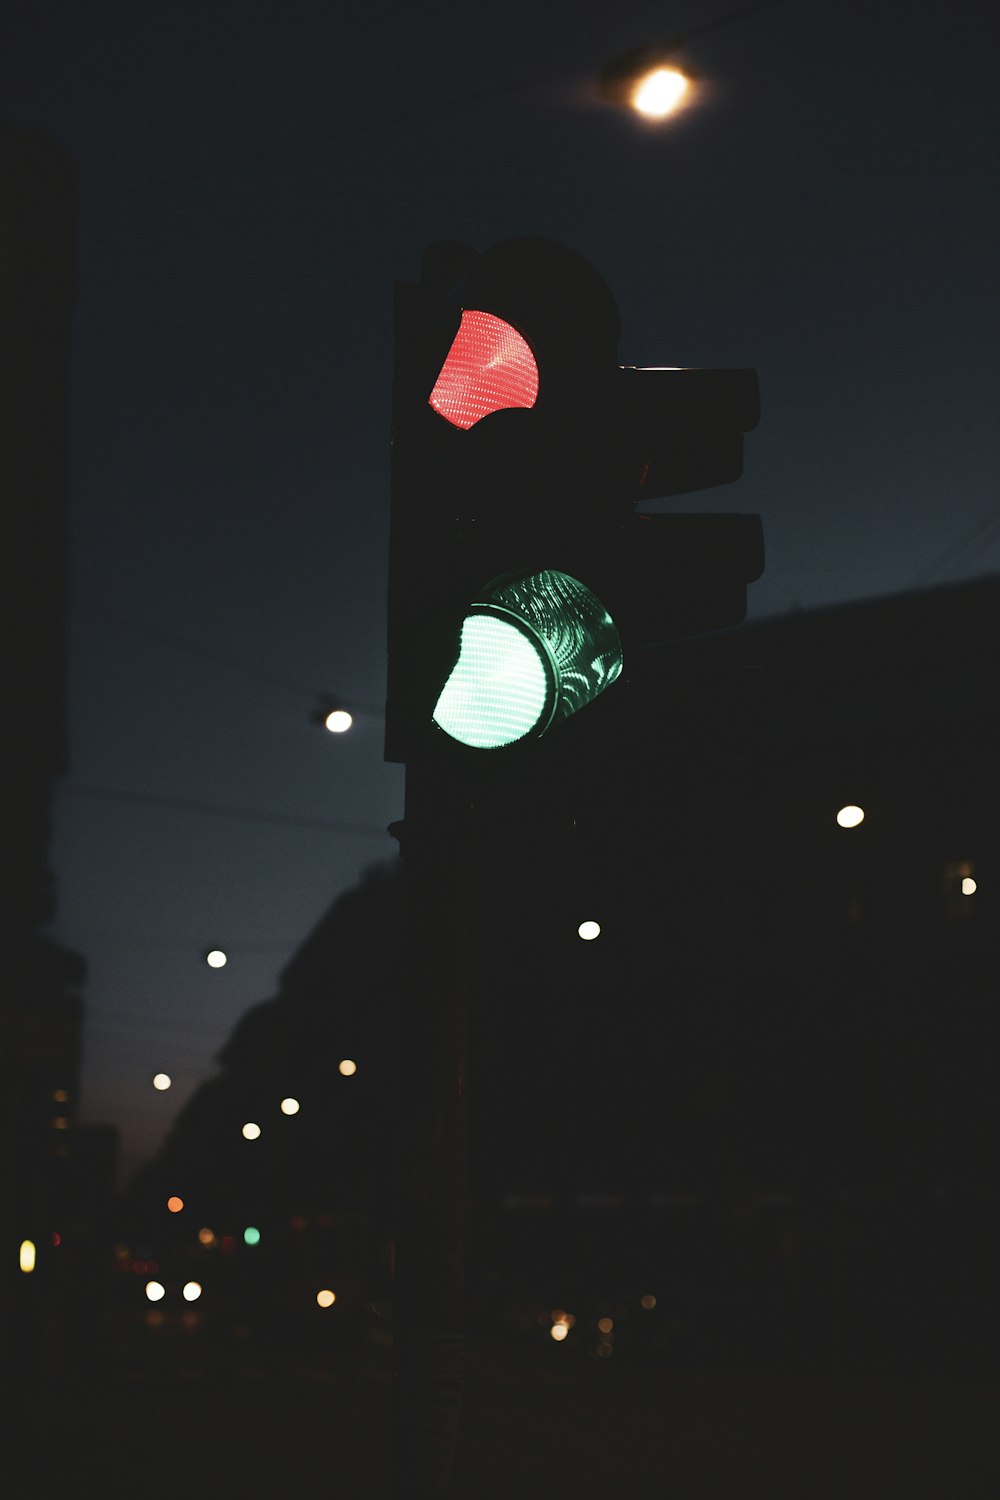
{"x":850,"y":816}
{"x":968,"y":886}
{"x":155,"y":1291}
{"x":488,"y":368}
{"x":659,"y":92}
{"x":26,"y":1255}
{"x":215,"y":959}
{"x":161,"y":1081}
{"x":347,"y":1067}
{"x":532,"y":652}
{"x":559,"y":1331}
{"x":326,"y":1298}
{"x":251,"y":1132}
{"x":192,"y":1291}
{"x":289,"y":1106}
{"x":589,"y":931}
{"x":338,"y":721}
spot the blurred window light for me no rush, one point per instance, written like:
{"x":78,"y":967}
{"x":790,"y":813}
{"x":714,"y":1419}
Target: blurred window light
{"x":26,"y":1256}
{"x":155,"y":1291}
{"x":175,"y":1204}
{"x":589,"y":931}
{"x":326,"y":1298}
{"x":162,"y":1081}
{"x":850,"y":816}
{"x":192,"y":1291}
{"x":338,"y":721}
{"x":289,"y":1106}
{"x":659,"y":92}
{"x":251,"y":1132}
{"x":215,"y":958}
{"x":347,"y":1067}
{"x":251,"y":1235}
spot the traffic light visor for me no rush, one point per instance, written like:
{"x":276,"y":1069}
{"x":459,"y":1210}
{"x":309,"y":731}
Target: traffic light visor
{"x":532,"y":652}
{"x":488,"y":368}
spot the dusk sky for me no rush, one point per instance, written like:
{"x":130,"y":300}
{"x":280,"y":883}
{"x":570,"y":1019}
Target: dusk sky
{"x":252,"y":181}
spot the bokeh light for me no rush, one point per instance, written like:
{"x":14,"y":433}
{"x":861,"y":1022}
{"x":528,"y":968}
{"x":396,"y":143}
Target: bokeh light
{"x":251,"y":1132}
{"x":347,"y":1067}
{"x":175,"y":1204}
{"x":850,"y":816}
{"x":589,"y":931}
{"x":648,"y":1301}
{"x":968,"y":886}
{"x":26,"y":1255}
{"x":659,"y":92}
{"x":289,"y":1106}
{"x":326,"y":1298}
{"x":162,"y":1080}
{"x":206,"y":1236}
{"x":251,"y":1235}
{"x":155,"y":1291}
{"x":192,"y":1291}
{"x":215,"y":959}
{"x":338,"y":721}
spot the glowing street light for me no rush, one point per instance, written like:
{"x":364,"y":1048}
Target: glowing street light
{"x":660,"y":92}
{"x":648,"y":81}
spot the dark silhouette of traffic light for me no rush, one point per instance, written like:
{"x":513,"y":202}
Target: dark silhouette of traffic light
{"x":522,"y":576}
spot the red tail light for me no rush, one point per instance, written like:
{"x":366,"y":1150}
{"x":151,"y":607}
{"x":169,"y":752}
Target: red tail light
{"x":489,"y":367}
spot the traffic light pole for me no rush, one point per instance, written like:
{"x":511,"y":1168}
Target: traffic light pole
{"x":438,"y":847}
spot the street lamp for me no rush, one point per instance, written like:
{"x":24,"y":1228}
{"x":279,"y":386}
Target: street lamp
{"x":649,"y":81}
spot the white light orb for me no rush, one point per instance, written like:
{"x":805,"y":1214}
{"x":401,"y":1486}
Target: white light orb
{"x":347,"y":1067}
{"x":588,"y":931}
{"x":289,"y":1106}
{"x":339,"y":721}
{"x":850,"y":816}
{"x":155,"y":1291}
{"x":192,"y":1291}
{"x":660,"y":92}
{"x":251,"y":1132}
{"x":162,"y":1080}
{"x":215,"y":959}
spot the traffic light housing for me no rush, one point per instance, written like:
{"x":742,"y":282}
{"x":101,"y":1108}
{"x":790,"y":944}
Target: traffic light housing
{"x":521,"y":575}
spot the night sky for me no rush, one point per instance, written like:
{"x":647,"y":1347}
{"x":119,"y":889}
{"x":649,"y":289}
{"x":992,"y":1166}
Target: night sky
{"x":252,"y":181}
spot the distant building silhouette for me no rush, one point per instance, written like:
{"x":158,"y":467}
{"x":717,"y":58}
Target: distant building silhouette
{"x":40,"y":993}
{"x":767,"y":1090}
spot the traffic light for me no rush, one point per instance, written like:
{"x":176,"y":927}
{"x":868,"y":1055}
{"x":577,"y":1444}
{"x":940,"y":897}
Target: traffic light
{"x":522,"y":578}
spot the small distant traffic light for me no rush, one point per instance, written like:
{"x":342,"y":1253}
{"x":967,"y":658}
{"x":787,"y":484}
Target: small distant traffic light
{"x":522,"y":576}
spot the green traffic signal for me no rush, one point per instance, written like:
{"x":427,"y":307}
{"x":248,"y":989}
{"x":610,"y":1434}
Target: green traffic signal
{"x":533,"y":650}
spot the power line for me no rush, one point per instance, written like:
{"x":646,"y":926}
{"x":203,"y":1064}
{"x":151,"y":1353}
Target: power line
{"x":218,"y":809}
{"x":346,"y":138}
{"x":235,"y":663}
{"x":942,"y":562}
